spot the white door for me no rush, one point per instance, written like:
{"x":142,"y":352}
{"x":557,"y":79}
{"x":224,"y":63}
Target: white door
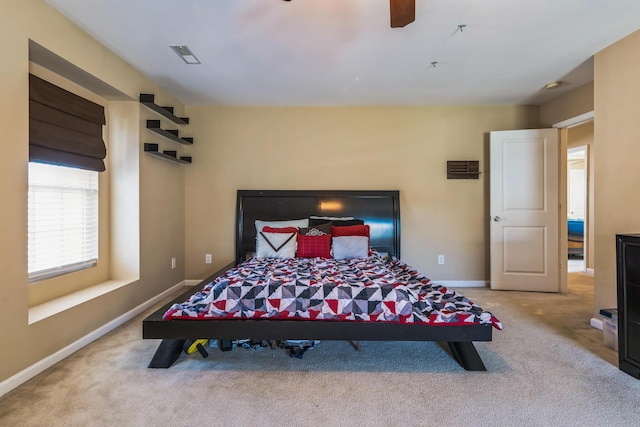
{"x":524,"y":210}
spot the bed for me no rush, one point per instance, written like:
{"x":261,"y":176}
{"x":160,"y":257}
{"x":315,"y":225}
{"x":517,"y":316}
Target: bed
{"x":380,"y":210}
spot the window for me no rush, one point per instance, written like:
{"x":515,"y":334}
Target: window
{"x":66,"y":152}
{"x":62,"y":221}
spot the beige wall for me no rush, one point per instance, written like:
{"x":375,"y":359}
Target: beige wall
{"x":380,"y":148}
{"x":153,"y":222}
{"x":567,"y":106}
{"x":617,"y":132}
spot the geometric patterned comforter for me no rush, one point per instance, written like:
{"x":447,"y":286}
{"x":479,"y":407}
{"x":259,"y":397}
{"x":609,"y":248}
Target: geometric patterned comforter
{"x":369,"y":289}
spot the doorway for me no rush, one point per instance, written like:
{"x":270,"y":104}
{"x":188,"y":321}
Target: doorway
{"x":572,"y":134}
{"x":580,"y":178}
{"x":576,"y":207}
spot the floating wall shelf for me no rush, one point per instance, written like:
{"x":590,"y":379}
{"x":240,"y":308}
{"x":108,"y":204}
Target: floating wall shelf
{"x":152,"y":149}
{"x":172,"y":134}
{"x":148,"y":99}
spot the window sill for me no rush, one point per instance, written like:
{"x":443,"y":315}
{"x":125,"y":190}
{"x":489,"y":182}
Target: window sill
{"x":58,"y":305}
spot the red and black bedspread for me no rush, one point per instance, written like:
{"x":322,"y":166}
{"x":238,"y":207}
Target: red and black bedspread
{"x":361,"y":289}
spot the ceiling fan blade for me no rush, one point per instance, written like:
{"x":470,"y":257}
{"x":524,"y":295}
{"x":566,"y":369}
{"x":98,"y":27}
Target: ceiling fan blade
{"x":403,"y":12}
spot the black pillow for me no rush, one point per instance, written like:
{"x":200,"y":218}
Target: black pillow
{"x":316,"y":230}
{"x":336,"y":222}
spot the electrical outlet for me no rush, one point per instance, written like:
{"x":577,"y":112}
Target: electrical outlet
{"x":207,"y":258}
{"x":440,"y":259}
{"x":173,"y":263}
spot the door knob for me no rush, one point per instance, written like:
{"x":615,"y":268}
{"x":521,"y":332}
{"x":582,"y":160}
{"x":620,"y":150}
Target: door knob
{"x":496,"y":218}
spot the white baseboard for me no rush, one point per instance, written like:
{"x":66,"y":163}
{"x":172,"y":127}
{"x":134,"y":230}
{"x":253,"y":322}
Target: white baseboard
{"x":192,"y":283}
{"x":596,"y":323}
{"x":590,"y":271}
{"x":462,"y":283}
{"x":33,"y":370}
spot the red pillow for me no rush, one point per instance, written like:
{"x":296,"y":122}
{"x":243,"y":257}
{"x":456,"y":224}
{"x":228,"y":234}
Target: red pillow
{"x":314,"y":246}
{"x":267,"y":229}
{"x":352,"y":230}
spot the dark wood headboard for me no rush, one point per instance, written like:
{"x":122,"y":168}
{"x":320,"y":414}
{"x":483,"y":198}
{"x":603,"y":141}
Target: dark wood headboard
{"x":379,"y":209}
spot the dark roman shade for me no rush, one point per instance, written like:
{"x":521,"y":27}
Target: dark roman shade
{"x":64,"y":129}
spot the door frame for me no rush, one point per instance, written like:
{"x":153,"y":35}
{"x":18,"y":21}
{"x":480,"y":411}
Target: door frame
{"x":562,"y":191}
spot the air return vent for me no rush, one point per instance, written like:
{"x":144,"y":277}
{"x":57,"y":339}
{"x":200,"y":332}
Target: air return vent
{"x":463,"y":169}
{"x":185,"y":53}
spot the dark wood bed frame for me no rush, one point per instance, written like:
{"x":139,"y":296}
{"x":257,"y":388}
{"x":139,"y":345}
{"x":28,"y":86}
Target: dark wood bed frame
{"x":379,"y":209}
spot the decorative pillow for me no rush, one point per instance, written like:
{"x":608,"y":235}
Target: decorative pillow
{"x":346,"y":247}
{"x":317,"y":230}
{"x":260,"y":224}
{"x":352,"y":230}
{"x":262,"y":247}
{"x":277,"y":242}
{"x":312,"y":246}
{"x":337,"y":221}
{"x":286,"y":230}
{"x":347,"y":222}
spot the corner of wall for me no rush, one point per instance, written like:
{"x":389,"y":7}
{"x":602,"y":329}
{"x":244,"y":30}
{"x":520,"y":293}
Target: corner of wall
{"x":567,"y":106}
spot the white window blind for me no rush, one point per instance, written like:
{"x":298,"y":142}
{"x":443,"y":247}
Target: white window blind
{"x":63,"y":220}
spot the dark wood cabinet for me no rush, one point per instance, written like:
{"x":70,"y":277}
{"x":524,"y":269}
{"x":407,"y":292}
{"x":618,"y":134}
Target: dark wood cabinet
{"x":628,"y":269}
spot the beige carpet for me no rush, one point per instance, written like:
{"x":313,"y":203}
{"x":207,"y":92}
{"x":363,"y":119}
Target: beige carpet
{"x":547,"y":368}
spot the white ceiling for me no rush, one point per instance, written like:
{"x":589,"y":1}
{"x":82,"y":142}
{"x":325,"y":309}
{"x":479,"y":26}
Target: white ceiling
{"x":343,"y":52}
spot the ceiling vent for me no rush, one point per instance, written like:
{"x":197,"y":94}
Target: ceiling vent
{"x":185,"y":53}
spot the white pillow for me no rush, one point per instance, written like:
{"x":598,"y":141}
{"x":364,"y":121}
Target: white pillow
{"x":346,"y":247}
{"x":262,"y":247}
{"x":277,"y":245}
